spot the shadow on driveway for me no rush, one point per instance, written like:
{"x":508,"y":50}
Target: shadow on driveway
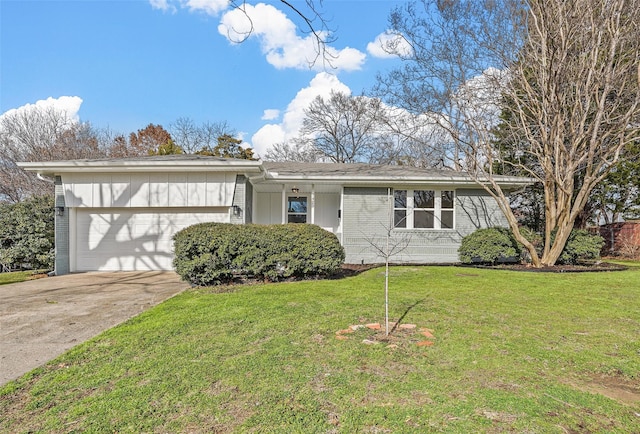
{"x":41,"y":319}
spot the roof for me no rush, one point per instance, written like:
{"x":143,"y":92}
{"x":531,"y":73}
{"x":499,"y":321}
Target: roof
{"x":165,"y":163}
{"x":266,"y":172}
{"x":359,"y":173}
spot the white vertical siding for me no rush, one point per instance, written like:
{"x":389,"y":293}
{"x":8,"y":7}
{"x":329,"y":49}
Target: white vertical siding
{"x":123,"y":190}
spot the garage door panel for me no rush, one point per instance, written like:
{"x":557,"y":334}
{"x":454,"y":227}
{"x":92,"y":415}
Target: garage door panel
{"x":127,"y":240}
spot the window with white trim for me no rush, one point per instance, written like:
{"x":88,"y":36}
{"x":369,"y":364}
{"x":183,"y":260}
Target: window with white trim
{"x":423,"y":209}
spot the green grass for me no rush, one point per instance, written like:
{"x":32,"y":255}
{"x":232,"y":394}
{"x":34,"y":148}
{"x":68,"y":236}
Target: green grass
{"x":16,"y":276}
{"x":514,"y":351}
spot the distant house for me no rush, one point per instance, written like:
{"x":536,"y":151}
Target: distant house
{"x":122,"y":214}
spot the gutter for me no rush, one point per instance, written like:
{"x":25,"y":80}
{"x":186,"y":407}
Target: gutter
{"x":44,"y":178}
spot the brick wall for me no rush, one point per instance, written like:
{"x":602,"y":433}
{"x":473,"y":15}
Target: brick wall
{"x":239,"y":201}
{"x":61,"y":231}
{"x":621,"y":238}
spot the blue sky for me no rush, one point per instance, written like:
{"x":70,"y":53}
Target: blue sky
{"x":129,"y":63}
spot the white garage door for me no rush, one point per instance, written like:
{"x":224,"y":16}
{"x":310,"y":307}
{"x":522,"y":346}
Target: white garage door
{"x":132,"y":239}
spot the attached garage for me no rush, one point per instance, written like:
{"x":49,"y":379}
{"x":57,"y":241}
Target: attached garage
{"x":131,"y":239}
{"x":122,"y":214}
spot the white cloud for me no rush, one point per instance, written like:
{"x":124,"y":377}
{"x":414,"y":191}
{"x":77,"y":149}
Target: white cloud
{"x":389,"y":45}
{"x":478,"y":100}
{"x":163,"y":5}
{"x":210,"y":7}
{"x":321,"y":85}
{"x":270,"y":114}
{"x":68,"y":106}
{"x":278,"y":39}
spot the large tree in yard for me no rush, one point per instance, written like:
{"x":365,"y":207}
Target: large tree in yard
{"x":567,"y":70}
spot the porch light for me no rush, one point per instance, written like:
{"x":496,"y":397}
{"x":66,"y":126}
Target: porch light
{"x":236,"y":210}
{"x":295,"y":190}
{"x":59,"y":211}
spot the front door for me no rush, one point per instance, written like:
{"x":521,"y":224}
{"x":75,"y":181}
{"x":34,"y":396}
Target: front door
{"x":297,"y":209}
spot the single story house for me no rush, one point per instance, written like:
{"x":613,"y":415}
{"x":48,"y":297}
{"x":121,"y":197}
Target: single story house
{"x":121,"y":214}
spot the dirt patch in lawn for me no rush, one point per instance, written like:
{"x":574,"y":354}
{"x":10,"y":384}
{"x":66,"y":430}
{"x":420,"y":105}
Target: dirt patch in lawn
{"x":399,"y":334}
{"x":617,"y":388}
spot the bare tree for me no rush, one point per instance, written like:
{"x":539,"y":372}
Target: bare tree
{"x":210,"y":132}
{"x":185,"y":133}
{"x":389,"y":247}
{"x":412,"y":140}
{"x":41,"y":135}
{"x":452,"y":43}
{"x":568,"y":69}
{"x":343,"y":128}
{"x":576,"y":93}
{"x":294,"y":150}
{"x":193,"y":138}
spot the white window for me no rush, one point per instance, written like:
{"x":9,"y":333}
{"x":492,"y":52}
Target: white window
{"x":423,"y":209}
{"x":296,"y":209}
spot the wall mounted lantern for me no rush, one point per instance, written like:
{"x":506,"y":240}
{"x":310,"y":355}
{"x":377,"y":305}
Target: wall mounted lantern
{"x":295,"y":190}
{"x":236,"y":210}
{"x":60,"y":211}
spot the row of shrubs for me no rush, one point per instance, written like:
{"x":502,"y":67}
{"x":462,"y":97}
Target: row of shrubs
{"x":496,"y":245}
{"x":214,"y":253}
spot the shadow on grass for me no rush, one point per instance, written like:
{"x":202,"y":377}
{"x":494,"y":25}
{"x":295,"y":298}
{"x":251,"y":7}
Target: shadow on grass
{"x":406,"y":311}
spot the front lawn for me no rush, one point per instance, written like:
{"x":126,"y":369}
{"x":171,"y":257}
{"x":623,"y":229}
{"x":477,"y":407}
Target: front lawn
{"x":17,"y":276}
{"x":513,"y":351}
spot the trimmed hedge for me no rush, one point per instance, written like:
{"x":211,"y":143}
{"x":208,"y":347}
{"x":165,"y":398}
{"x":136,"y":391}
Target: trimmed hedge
{"x":495,"y":245}
{"x":214,"y":253}
{"x":489,"y":245}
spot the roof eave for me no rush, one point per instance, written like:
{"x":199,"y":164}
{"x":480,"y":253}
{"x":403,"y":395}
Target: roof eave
{"x":509,"y":182}
{"x":58,"y":167}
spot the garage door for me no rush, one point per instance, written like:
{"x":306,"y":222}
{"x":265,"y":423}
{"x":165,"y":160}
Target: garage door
{"x":132,"y":239}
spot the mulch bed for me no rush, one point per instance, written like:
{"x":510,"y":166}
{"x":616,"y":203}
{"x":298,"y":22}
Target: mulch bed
{"x":578,"y":268}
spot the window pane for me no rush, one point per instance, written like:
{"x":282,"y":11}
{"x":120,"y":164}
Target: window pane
{"x":400,"y":218}
{"x":447,"y":199}
{"x":423,"y":199}
{"x":297,"y":205}
{"x":423,"y":219}
{"x":400,"y":198}
{"x":446,"y":220}
{"x":296,"y":218}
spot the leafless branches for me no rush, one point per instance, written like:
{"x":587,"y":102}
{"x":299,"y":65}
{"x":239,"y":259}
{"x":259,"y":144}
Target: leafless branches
{"x":41,"y":135}
{"x":313,"y":23}
{"x":567,"y":72}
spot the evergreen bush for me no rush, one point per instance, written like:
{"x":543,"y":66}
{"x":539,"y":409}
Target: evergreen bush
{"x":214,"y":253}
{"x":27,"y":234}
{"x":489,"y":246}
{"x":581,"y":246}
{"x":495,"y":245}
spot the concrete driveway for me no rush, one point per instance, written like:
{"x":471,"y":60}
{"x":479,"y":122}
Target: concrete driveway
{"x":41,"y":319}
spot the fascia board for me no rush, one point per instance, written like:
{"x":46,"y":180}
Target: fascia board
{"x":49,"y":168}
{"x":386,"y":181}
